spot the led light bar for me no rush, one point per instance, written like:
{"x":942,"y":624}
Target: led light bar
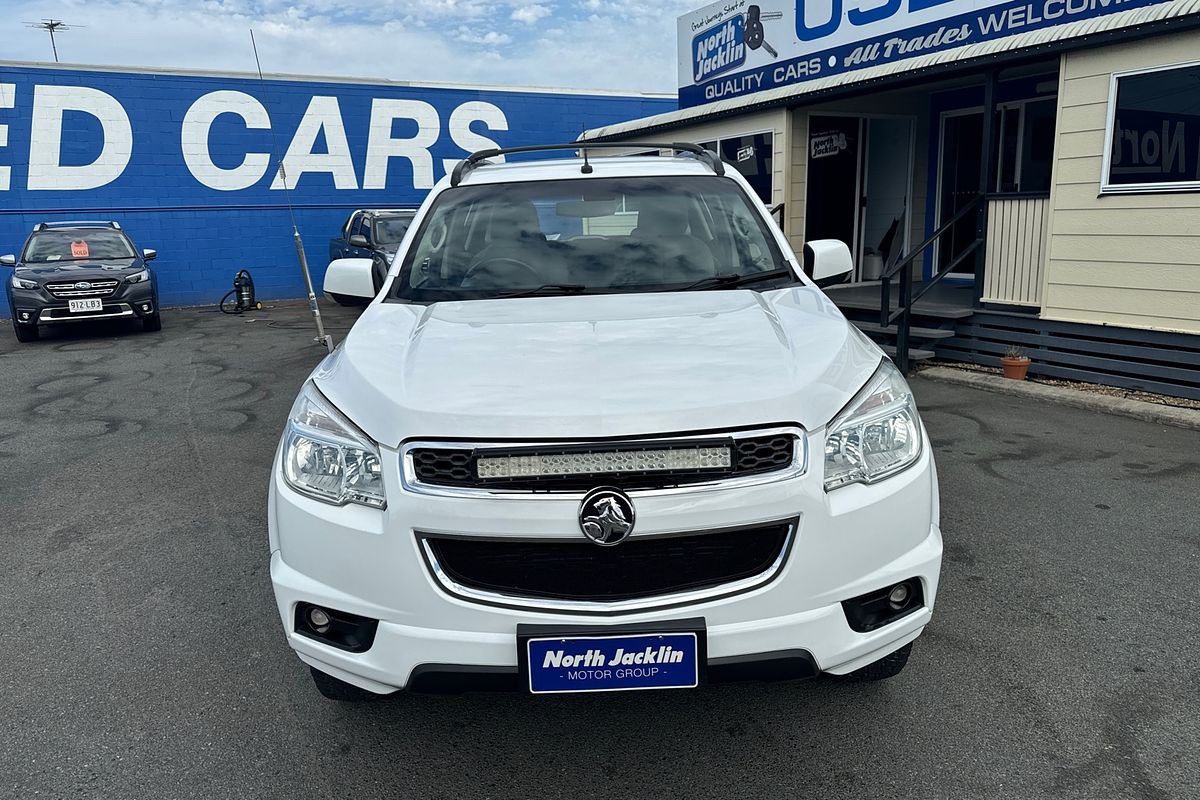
{"x":555,"y":464}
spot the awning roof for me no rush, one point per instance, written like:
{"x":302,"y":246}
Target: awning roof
{"x":1030,"y":43}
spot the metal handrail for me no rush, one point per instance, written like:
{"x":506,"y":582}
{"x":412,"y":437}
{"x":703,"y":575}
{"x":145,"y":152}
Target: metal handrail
{"x":902,"y":316}
{"x":908,"y":259}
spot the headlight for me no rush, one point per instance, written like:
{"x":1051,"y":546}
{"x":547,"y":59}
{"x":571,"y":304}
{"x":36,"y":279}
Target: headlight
{"x":876,"y":435}
{"x":21,"y":283}
{"x":139,"y":277}
{"x":326,"y":457}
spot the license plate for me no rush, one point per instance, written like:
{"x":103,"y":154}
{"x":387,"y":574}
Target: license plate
{"x":91,"y":304}
{"x":613,"y":663}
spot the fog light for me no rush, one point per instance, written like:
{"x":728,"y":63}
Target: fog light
{"x":25,"y":316}
{"x":318,"y":619}
{"x":884,"y":606}
{"x":146,"y":307}
{"x":339,"y":629}
{"x":898,"y":597}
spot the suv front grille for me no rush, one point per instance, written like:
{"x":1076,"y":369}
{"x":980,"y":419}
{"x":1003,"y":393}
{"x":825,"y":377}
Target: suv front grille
{"x":637,"y":568}
{"x":101,"y":288}
{"x":747,"y":456}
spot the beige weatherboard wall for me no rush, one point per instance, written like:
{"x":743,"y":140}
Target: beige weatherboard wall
{"x":1129,"y":259}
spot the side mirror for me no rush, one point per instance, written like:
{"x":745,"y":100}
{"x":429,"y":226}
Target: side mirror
{"x":8,"y":260}
{"x":149,"y":255}
{"x":827,"y":261}
{"x":350,"y":277}
{"x":358,"y":240}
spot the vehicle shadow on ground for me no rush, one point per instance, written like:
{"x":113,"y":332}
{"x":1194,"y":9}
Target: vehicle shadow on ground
{"x":729,"y":740}
{"x":99,"y":331}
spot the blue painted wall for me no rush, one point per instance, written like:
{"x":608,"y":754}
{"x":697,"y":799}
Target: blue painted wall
{"x":205,"y":234}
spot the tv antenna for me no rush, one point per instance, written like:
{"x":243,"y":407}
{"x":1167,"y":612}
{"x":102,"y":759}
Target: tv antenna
{"x":50,"y":26}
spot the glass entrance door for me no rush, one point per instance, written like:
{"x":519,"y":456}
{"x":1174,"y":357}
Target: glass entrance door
{"x":958,"y":183}
{"x":832,"y":207}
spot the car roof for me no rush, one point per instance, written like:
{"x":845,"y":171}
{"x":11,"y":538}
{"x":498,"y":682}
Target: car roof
{"x":571,"y":168}
{"x":388,"y":212}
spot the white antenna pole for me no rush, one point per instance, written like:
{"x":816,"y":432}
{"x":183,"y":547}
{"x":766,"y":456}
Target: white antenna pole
{"x":322,"y":337}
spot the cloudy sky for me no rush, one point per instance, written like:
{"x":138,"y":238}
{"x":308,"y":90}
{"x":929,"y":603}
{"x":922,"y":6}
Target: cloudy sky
{"x":608,"y":44}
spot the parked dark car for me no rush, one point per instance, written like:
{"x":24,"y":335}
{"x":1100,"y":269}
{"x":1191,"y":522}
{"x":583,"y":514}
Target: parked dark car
{"x":77,"y":271}
{"x":373,"y":234}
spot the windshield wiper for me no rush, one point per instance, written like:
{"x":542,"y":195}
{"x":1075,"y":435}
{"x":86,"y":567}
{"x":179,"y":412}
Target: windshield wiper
{"x":548,"y":288}
{"x":732,"y":280}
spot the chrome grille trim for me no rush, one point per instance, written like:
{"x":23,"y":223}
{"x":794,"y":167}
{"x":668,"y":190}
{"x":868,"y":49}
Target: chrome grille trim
{"x":411,"y":483}
{"x":110,"y":311}
{"x":101,"y":288}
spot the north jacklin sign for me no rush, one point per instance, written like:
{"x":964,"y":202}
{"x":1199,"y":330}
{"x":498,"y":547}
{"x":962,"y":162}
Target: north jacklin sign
{"x":734,"y":48}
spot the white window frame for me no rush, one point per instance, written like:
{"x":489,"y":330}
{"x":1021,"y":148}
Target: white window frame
{"x":1110,"y":119}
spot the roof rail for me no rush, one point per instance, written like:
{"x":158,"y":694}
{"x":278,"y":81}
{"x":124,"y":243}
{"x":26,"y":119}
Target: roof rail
{"x":479,"y":156}
{"x":77,"y":223}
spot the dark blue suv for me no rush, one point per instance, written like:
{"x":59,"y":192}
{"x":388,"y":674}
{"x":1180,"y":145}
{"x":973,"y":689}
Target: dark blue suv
{"x":76,"y":271}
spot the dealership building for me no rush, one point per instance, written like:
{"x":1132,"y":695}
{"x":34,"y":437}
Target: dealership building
{"x":1007,"y":174}
{"x":186,"y":162}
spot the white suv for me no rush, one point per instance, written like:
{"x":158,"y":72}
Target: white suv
{"x":600,"y":431}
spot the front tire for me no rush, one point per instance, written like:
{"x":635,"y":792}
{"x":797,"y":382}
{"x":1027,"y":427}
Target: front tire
{"x":334,"y":689}
{"x":25,"y":333}
{"x":889,"y":666}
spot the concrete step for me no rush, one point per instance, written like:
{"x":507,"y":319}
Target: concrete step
{"x":919,"y":334}
{"x":914,"y":354}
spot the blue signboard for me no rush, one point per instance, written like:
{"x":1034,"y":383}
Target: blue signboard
{"x":782,"y":43}
{"x":613,"y":663}
{"x":187,"y":163}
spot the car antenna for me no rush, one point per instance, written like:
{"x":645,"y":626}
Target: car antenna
{"x":586,"y":169}
{"x":322,"y":337}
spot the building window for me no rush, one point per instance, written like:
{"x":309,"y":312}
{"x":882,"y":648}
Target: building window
{"x":1025,"y":145}
{"x":751,"y":155}
{"x":1153,"y":139}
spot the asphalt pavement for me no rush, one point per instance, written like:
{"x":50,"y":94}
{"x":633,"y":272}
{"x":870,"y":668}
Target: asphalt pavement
{"x":141,"y":655}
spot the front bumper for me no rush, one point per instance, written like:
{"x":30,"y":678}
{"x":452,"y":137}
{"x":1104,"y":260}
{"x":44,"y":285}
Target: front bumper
{"x":367,"y":562}
{"x":38,"y":306}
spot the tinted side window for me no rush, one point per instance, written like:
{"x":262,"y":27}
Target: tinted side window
{"x":1156,"y":129}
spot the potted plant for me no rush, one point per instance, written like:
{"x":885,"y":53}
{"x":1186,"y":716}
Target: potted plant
{"x":1015,"y":363}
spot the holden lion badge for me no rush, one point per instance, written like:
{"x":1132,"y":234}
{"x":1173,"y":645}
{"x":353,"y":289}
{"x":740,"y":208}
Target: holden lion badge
{"x":606,"y":516}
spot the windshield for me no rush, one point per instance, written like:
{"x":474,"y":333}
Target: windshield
{"x":77,"y":245}
{"x":390,"y":230}
{"x":640,"y":234}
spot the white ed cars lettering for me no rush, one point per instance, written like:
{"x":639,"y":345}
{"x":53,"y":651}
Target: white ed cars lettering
{"x":195,"y":132}
{"x":8,"y":93}
{"x":388,"y":136}
{"x":46,"y":170}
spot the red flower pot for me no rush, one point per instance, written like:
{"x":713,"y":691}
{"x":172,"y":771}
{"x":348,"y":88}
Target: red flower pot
{"x":1015,"y":368}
